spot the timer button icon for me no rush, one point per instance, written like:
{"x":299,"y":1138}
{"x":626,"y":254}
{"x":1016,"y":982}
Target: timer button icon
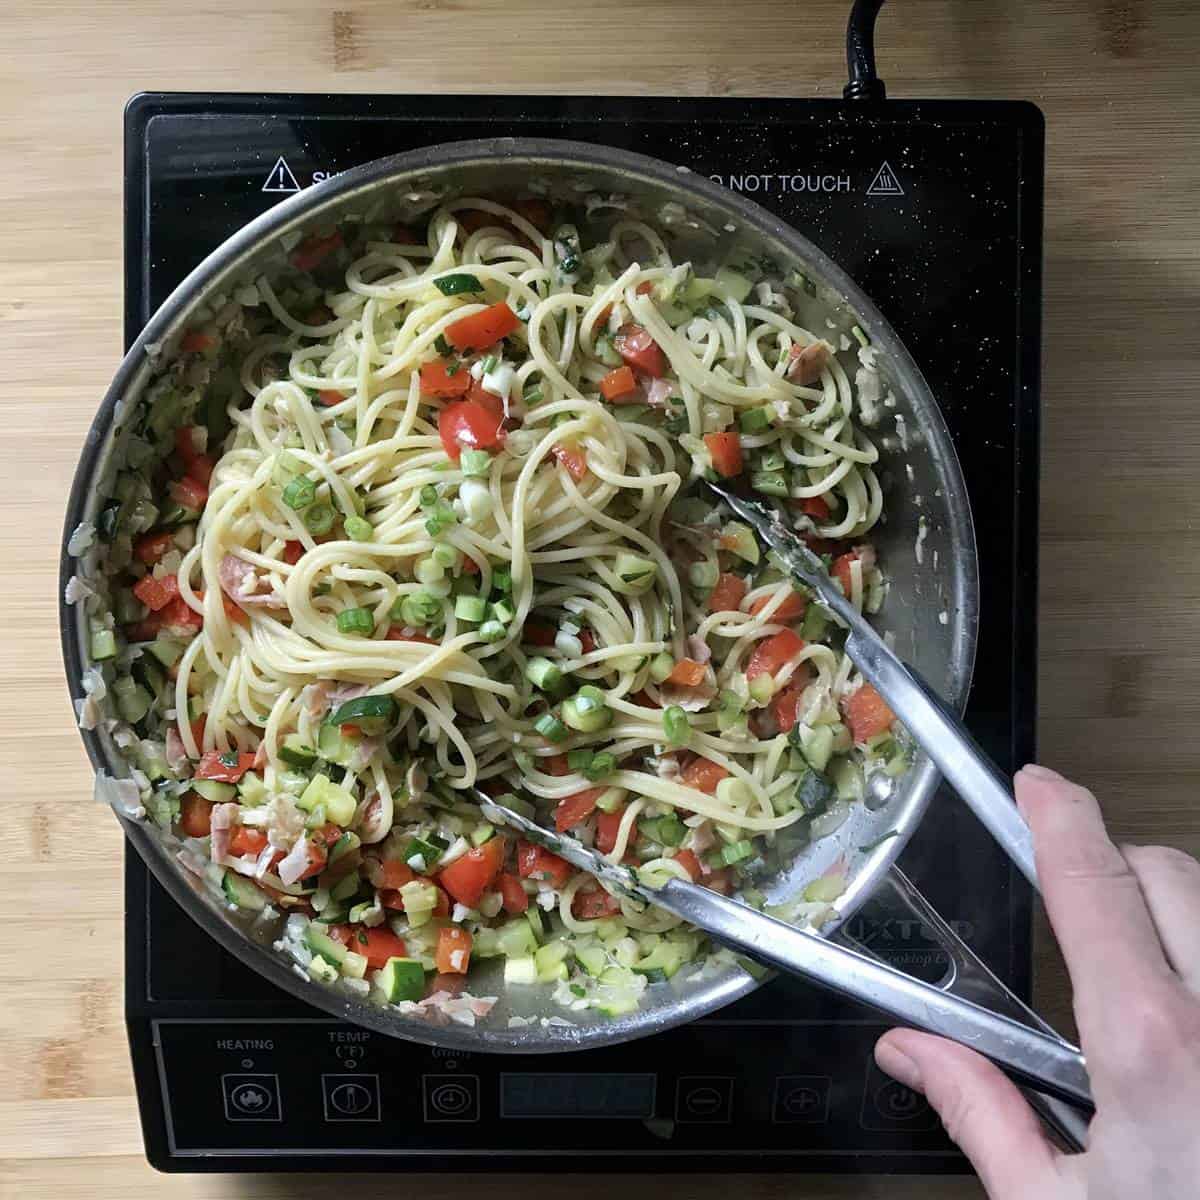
{"x":451,"y":1098}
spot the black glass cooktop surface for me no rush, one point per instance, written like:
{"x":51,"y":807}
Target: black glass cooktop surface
{"x":935,"y":209}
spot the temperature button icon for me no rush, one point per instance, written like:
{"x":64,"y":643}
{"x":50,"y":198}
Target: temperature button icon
{"x":351,"y":1097}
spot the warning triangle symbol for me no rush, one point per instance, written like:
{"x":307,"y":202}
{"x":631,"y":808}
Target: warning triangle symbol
{"x":281,"y":178}
{"x":885,"y":183}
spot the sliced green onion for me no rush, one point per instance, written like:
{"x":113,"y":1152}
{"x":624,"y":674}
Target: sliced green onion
{"x":428,"y":571}
{"x":417,"y":608}
{"x":300,"y":493}
{"x":492,"y":631}
{"x":602,"y":765}
{"x":736,"y":852}
{"x":762,"y":688}
{"x":502,"y":579}
{"x":770,"y":483}
{"x":356,"y":621}
{"x":579,"y":760}
{"x":455,"y":285}
{"x":319,"y":518}
{"x":772,"y":460}
{"x":501,"y":611}
{"x":488,"y":365}
{"x":704,"y":574}
{"x":676,"y":726}
{"x":587,"y":710}
{"x":754,"y":420}
{"x":475,"y":462}
{"x":428,"y":496}
{"x":103,"y":643}
{"x":550,"y":727}
{"x":442,"y":346}
{"x":470,"y":608}
{"x":543,"y":674}
{"x":534,"y":395}
{"x":360,"y":529}
{"x":444,"y":555}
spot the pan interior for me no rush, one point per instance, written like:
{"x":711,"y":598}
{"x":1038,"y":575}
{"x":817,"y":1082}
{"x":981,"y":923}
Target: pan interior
{"x":925,"y":540}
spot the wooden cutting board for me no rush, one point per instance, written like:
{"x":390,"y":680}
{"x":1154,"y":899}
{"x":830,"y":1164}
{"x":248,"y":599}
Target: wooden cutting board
{"x":1120,"y":611}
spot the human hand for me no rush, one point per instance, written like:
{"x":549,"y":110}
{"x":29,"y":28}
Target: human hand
{"x":1128,"y":922}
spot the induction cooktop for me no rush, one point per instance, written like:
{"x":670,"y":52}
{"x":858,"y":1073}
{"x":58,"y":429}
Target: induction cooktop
{"x":934,"y":207}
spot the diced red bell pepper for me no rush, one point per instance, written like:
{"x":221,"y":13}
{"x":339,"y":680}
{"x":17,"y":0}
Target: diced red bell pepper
{"x":189,"y":493}
{"x":725,"y":450}
{"x":719,"y":881}
{"x":247,"y":842}
{"x":555,"y":764}
{"x":468,"y":424}
{"x":792,"y":607}
{"x":570,"y":456}
{"x":150,"y":547}
{"x":377,"y":945}
{"x":640,"y":350}
{"x":690,"y":863}
{"x":156,"y":593}
{"x":328,"y":397}
{"x":224,"y":767}
{"x":483,"y":329}
{"x":703,"y":774}
{"x":687,"y":672}
{"x":195,"y":341}
{"x":786,"y":707}
{"x":453,"y":950}
{"x":535,"y":862}
{"x":867,"y":713}
{"x":841,"y":571}
{"x":436,"y":380}
{"x":621,"y":381}
{"x":314,"y":250}
{"x":772,"y":653}
{"x":729,"y":593}
{"x":513,"y":895}
{"x":594,"y":904}
{"x":195,"y":815}
{"x":608,"y":824}
{"x":468,"y":877}
{"x":394,"y":874}
{"x":574,"y":809}
{"x":814,"y":506}
{"x":293,"y":552}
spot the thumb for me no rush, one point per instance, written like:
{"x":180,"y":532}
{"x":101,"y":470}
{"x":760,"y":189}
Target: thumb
{"x":981,"y":1109}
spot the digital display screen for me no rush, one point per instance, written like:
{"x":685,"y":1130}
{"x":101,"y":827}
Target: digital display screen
{"x":576,"y":1095}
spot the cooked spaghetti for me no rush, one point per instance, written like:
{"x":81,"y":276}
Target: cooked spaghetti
{"x":410,"y":518}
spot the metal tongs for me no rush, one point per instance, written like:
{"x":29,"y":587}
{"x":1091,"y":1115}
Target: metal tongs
{"x":1052,"y":1068}
{"x":932,"y":725}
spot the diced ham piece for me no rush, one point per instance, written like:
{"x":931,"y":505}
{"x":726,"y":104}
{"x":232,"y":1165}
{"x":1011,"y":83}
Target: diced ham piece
{"x":808,"y":363}
{"x":242,"y":585}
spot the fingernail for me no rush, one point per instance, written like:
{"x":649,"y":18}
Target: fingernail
{"x":1037,"y":771}
{"x":899,"y":1066}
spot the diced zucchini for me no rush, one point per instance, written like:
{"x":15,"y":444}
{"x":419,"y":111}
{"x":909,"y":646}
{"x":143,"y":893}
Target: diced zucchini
{"x":252,"y":791}
{"x":741,"y":541}
{"x":296,"y":752}
{"x":816,"y":745}
{"x":522,"y":970}
{"x":419,"y":898}
{"x":666,"y":957}
{"x":210,"y":789}
{"x":636,"y":574}
{"x":401,"y":979}
{"x":516,"y":939}
{"x":319,"y":942}
{"x":551,"y":961}
{"x":592,"y":959}
{"x":322,"y":970}
{"x":848,"y":779}
{"x":732,"y":285}
{"x":241,"y":892}
{"x":338,"y":802}
{"x":353,"y":965}
{"x":814,"y":792}
{"x":167,"y":650}
{"x":815,"y":623}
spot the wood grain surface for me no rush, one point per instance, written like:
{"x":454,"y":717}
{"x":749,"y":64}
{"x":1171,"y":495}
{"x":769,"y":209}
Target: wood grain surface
{"x":1120,"y":604}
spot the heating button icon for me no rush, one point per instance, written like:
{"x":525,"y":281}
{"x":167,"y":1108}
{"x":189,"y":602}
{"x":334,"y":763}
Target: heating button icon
{"x":251,"y":1097}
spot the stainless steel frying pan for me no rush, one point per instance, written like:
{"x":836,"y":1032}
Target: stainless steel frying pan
{"x":927,"y":545}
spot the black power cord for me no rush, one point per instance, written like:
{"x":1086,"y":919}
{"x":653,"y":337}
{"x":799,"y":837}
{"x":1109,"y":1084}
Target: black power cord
{"x":860,"y":53}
